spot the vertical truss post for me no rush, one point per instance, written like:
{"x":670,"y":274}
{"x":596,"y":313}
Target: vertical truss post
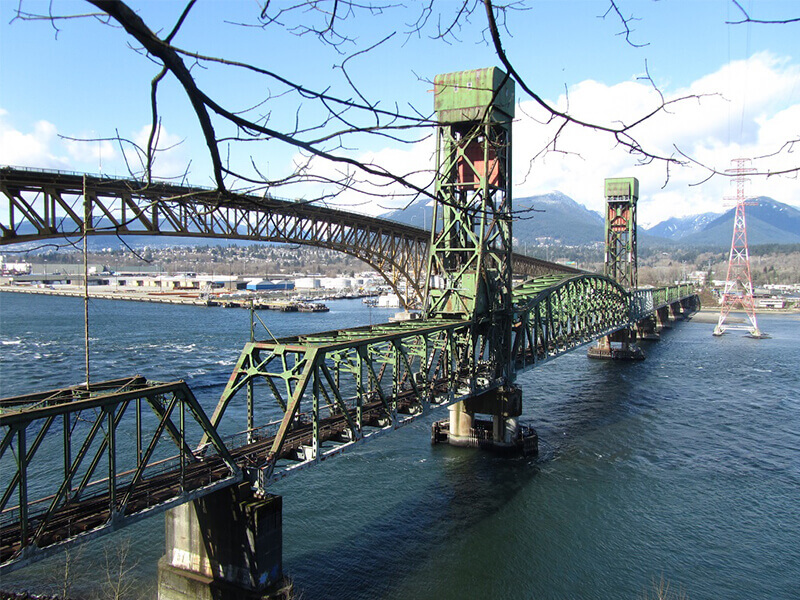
{"x":22,"y":466}
{"x":183,"y":443}
{"x":111,"y":438}
{"x":250,"y":411}
{"x":315,"y":442}
{"x":396,"y":380}
{"x":138,"y":432}
{"x":67,"y":452}
{"x":250,"y":406}
{"x":360,"y":352}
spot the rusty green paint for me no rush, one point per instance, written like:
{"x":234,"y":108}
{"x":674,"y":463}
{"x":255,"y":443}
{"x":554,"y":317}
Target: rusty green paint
{"x":622,"y":187}
{"x":466,"y":95}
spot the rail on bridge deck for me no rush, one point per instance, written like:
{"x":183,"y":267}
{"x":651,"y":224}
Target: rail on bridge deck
{"x":83,"y":460}
{"x":80,"y":462}
{"x":54,"y":204}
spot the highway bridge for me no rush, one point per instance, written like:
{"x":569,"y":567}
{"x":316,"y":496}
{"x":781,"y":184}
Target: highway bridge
{"x":57,"y":205}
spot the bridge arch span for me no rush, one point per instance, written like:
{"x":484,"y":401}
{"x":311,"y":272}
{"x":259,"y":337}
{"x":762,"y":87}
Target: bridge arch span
{"x":557,"y":313}
{"x":42,"y":205}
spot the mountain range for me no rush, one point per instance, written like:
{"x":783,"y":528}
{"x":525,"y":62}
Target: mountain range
{"x":557,"y":219}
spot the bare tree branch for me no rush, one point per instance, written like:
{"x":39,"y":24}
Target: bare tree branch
{"x":747,"y":19}
{"x":327,"y":126}
{"x":623,"y":134}
{"x":134,"y":25}
{"x":625,"y":23}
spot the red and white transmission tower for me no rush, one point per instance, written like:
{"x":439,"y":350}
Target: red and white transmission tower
{"x":738,"y":283}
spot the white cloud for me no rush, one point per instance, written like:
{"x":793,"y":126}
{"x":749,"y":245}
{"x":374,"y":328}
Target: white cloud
{"x":87,"y":149}
{"x":413,"y":163}
{"x":43,"y":147}
{"x":170,"y":157}
{"x":32,"y":149}
{"x":745,"y":109}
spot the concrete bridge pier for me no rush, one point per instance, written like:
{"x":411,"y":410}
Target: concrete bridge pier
{"x":690,"y":305}
{"x":676,"y":309}
{"x":647,"y":329}
{"x":620,"y":345}
{"x":663,"y":317}
{"x":225,"y":546}
{"x":489,"y":421}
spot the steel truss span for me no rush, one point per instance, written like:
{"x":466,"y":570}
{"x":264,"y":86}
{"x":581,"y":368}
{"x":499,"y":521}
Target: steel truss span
{"x":76,"y":462}
{"x":43,"y":205}
{"x":80,"y":460}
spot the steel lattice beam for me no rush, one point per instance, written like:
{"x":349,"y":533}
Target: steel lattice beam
{"x":78,"y":460}
{"x":44,"y":205}
{"x":305,"y":398}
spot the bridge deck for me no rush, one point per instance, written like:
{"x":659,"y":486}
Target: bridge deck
{"x":334,"y":390}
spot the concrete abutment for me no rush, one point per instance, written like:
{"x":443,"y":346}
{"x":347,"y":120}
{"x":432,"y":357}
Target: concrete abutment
{"x":225,"y":546}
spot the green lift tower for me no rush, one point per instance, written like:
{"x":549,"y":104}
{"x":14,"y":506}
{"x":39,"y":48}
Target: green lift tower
{"x":469,"y":266}
{"x":621,"y":194}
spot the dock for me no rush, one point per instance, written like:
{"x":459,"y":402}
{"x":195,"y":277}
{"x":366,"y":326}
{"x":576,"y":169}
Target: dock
{"x":184,"y":297}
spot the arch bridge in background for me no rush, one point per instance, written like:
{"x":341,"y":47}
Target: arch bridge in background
{"x":43,"y":205}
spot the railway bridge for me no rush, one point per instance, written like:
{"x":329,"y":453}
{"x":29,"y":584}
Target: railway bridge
{"x":91,"y":458}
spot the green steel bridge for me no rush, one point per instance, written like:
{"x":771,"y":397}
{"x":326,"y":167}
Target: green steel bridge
{"x":118,"y":451}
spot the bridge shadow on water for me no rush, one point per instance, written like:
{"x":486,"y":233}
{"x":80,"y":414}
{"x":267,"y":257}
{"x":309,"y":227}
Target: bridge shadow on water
{"x":419,"y":515}
{"x":417,"y":501}
{"x":574,"y":396}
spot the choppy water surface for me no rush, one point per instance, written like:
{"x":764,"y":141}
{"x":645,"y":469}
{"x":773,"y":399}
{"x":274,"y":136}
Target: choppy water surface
{"x":686,"y":465}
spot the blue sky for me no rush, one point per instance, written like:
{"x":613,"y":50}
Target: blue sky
{"x":85,"y":81}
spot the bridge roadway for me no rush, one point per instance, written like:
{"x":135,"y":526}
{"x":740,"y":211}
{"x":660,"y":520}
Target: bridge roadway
{"x":86,"y":462}
{"x":44,"y":205}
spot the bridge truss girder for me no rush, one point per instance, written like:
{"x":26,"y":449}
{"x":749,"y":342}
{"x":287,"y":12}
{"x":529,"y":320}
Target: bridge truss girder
{"x":113,"y":467}
{"x":318,"y":394}
{"x":556,"y":314}
{"x":337,"y":389}
{"x":50,"y":205}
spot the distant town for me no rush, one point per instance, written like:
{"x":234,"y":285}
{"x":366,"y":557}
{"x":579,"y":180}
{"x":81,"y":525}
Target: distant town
{"x":288,"y":278}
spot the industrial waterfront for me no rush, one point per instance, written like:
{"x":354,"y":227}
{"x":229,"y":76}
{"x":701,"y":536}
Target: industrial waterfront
{"x":683,"y":465}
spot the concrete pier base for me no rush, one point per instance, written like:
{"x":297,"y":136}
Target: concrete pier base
{"x":500,"y":429}
{"x":664,"y":318}
{"x":647,"y":329}
{"x":225,"y":546}
{"x":620,"y":345}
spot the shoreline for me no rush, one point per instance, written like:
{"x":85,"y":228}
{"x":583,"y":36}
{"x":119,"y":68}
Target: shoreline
{"x":280,"y":302}
{"x":194,"y":298}
{"x":187,"y":298}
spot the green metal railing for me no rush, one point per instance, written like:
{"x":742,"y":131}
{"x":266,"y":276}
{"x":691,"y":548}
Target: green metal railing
{"x":99,"y":452}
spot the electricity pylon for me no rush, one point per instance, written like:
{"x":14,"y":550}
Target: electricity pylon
{"x":738,"y":282}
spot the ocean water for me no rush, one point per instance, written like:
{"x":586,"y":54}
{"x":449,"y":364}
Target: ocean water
{"x":684,"y":466}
